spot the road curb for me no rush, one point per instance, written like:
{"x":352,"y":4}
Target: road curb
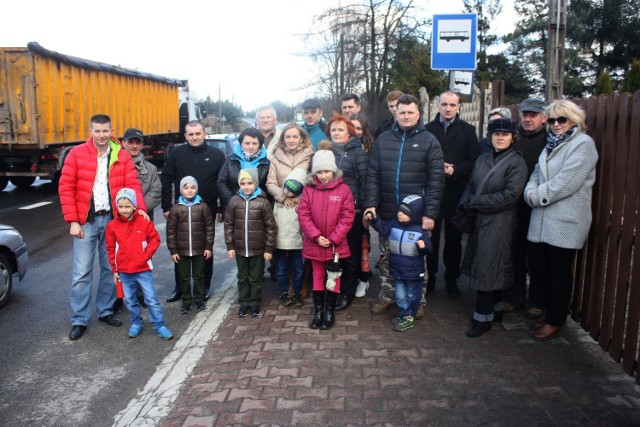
{"x":154,"y":402}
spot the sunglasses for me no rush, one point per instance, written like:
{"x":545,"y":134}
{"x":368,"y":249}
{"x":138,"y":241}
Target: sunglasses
{"x":561,"y":120}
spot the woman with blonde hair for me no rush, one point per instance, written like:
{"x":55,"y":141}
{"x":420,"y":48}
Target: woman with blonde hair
{"x":559,"y":193}
{"x":292,"y":153}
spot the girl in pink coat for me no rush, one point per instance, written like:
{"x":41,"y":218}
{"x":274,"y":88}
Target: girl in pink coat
{"x":325,"y":213}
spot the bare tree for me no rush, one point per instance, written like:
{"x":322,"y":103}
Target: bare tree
{"x":355,"y":47}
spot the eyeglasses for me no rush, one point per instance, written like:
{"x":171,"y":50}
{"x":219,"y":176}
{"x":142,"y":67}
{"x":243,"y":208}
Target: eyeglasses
{"x":561,"y":120}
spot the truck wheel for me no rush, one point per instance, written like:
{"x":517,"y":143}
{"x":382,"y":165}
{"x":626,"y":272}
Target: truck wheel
{"x":23,"y":182}
{"x":5,"y":280}
{"x":3,"y":182}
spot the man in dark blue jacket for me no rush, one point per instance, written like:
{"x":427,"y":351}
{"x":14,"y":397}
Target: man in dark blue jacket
{"x":459,"y":142}
{"x":405,"y":160}
{"x":197,"y":159}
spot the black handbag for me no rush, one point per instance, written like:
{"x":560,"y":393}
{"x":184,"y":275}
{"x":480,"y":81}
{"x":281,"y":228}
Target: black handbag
{"x":464,"y":221}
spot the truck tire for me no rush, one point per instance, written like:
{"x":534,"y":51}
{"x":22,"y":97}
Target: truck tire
{"x":3,"y":182}
{"x":23,"y":182}
{"x":6,"y":275}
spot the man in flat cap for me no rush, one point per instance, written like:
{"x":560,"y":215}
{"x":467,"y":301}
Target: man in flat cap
{"x":532,"y":138}
{"x":313,"y":124}
{"x":133,"y":141}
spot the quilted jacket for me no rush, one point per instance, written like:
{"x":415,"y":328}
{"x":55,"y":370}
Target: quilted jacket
{"x":79,"y":173}
{"x":404,"y":163}
{"x":249,"y":225}
{"x":190,"y":228}
{"x":325,"y":210}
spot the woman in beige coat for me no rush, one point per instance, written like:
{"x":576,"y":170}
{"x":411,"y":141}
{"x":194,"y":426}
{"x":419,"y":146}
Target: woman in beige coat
{"x":293,"y":151}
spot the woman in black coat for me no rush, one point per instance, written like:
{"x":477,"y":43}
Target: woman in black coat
{"x":495,"y":186}
{"x":353,"y":161}
{"x":249,"y":154}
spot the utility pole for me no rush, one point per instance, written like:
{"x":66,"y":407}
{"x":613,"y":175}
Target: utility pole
{"x":554,"y":87}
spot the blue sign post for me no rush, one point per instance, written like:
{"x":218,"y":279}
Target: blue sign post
{"x":453,"y":43}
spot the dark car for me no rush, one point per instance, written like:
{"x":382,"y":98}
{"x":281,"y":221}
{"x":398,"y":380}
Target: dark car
{"x":13,"y":260}
{"x":225,"y":142}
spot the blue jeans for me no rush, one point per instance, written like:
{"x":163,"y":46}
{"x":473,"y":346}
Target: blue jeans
{"x":408,"y":296}
{"x":84,"y":251}
{"x":130,"y":288}
{"x":289,"y":261}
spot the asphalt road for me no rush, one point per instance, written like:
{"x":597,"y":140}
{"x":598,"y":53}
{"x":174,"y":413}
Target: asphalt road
{"x":46,"y":379}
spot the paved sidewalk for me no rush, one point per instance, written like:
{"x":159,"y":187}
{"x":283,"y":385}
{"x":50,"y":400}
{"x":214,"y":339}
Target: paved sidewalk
{"x":274,"y":370}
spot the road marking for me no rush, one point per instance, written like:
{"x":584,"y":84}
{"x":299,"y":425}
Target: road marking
{"x":35,"y":205}
{"x":156,"y":399}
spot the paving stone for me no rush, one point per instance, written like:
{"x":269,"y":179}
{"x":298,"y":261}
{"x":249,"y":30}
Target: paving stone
{"x":274,"y":370}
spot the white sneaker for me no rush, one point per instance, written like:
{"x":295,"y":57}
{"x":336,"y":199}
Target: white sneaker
{"x":361,"y":290}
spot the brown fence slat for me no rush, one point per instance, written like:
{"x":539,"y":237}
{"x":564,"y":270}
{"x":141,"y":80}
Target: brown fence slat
{"x":594,"y":287}
{"x":630,"y":355}
{"x":616,"y":280}
{"x":618,"y":150}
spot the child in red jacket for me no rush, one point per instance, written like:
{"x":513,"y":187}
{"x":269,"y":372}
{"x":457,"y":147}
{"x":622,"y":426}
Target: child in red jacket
{"x":326,"y":212}
{"x":131,"y":242}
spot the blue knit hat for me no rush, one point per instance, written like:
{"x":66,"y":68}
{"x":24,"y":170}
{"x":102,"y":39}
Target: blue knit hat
{"x":127,"y":193}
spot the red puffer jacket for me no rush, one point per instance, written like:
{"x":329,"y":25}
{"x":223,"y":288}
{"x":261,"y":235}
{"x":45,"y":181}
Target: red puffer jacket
{"x":325,"y":210}
{"x":131,"y":244}
{"x":79,"y":174}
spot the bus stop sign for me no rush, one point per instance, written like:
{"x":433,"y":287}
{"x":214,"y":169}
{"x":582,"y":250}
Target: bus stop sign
{"x":453,"y":43}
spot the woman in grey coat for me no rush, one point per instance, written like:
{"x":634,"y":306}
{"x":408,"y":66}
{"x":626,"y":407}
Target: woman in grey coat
{"x":559,"y":192}
{"x":494,"y":188}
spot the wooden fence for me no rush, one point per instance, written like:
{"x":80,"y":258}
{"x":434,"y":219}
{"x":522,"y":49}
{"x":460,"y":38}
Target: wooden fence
{"x":606,"y":296}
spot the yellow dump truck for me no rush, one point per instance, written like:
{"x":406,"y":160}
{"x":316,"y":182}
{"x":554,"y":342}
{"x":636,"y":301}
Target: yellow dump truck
{"x":47,"y":100}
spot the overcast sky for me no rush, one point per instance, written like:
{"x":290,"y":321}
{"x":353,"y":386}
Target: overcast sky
{"x":250,"y":49}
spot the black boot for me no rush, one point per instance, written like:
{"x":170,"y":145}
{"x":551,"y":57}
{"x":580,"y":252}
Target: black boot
{"x":329,"y":310}
{"x":318,"y":306}
{"x":344,"y":301}
{"x":478,"y":328}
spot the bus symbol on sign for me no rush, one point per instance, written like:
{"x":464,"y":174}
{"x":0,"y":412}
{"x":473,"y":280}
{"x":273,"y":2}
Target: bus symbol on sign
{"x":454,"y":35}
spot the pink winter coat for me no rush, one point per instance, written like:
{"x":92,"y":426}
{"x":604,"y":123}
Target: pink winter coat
{"x":325,"y":210}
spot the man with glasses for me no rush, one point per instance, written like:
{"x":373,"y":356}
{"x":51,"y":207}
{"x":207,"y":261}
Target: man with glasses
{"x":532,"y":138}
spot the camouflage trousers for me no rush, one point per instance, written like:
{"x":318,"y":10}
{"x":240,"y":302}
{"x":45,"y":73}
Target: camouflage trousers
{"x":387,"y":290}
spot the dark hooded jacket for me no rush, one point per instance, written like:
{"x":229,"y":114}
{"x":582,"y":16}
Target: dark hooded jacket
{"x":406,"y":260}
{"x":404,"y":163}
{"x":488,"y":256}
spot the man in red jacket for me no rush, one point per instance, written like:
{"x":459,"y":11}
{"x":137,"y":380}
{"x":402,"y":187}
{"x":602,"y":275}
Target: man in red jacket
{"x":92,"y":175}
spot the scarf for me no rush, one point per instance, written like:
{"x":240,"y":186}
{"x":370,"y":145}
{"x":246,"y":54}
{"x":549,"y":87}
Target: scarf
{"x":554,"y":140}
{"x":251,"y":157}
